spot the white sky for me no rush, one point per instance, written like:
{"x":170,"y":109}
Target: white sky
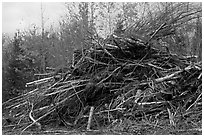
{"x":21,"y":15}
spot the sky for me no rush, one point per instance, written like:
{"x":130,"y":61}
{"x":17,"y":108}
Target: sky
{"x":22,"y":15}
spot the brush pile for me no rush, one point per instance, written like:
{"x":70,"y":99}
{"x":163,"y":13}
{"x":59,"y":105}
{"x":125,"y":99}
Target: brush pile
{"x":126,"y":78}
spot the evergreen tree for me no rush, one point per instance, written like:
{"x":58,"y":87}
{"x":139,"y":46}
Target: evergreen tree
{"x":20,"y":69}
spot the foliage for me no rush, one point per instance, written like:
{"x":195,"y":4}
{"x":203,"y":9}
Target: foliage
{"x":17,"y":68}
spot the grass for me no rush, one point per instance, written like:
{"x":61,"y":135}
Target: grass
{"x":189,"y":125}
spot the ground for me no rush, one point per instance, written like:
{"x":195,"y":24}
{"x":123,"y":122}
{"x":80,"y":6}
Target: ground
{"x":188,"y":126}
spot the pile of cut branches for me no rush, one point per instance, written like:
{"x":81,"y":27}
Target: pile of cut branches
{"x":125,"y":79}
